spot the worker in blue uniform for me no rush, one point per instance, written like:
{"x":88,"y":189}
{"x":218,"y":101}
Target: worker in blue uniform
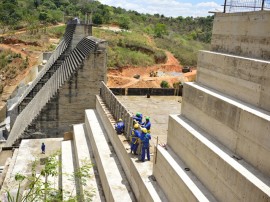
{"x":145,"y":138}
{"x":119,"y":126}
{"x":147,"y":124}
{"x":135,"y":136}
{"x":138,"y":117}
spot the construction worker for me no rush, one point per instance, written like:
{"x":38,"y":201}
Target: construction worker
{"x":147,"y":124}
{"x":119,"y":126}
{"x":43,"y":148}
{"x":138,"y":117}
{"x":145,"y":138}
{"x":135,"y":135}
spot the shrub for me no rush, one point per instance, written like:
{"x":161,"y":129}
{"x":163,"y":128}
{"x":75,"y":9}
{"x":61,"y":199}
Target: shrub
{"x":164,"y":84}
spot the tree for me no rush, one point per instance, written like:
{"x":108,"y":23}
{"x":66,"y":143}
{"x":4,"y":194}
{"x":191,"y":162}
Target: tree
{"x":97,"y":19}
{"x":160,"y":30}
{"x":164,"y":84}
{"x":124,"y":22}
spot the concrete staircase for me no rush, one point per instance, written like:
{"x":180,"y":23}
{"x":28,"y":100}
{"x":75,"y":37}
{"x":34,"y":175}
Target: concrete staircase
{"x":218,"y":147}
{"x":80,"y":178}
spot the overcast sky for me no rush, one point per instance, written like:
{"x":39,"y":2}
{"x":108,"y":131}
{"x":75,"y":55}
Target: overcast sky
{"x":169,"y":8}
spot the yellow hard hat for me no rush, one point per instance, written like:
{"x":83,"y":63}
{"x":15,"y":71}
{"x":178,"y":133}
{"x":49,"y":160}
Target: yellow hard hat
{"x":144,"y":130}
{"x":120,"y":120}
{"x":136,"y":125}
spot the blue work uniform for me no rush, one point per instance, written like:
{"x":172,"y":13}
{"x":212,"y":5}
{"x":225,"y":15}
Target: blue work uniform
{"x":119,"y":127}
{"x":43,"y":148}
{"x":147,"y":125}
{"x":138,"y":118}
{"x":145,"y":137}
{"x":135,"y":135}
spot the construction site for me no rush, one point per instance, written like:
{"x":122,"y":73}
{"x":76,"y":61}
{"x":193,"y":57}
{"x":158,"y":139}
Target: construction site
{"x":210,"y":138}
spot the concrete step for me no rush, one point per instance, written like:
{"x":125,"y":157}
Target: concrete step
{"x":68,"y":167}
{"x":226,"y":176}
{"x":243,"y":78}
{"x":6,"y":181}
{"x":84,"y":157}
{"x":176,"y":180}
{"x":113,"y":179}
{"x":140,"y":175}
{"x":230,"y":123}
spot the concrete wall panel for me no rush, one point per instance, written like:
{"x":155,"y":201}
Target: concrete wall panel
{"x":229,"y":122}
{"x":244,"y":78}
{"x":245,"y":34}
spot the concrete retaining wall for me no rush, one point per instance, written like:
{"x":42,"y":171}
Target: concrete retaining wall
{"x":245,"y":34}
{"x":243,"y":130}
{"x":243,"y":78}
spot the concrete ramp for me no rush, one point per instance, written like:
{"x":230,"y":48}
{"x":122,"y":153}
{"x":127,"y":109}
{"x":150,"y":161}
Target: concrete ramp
{"x":113,"y":178}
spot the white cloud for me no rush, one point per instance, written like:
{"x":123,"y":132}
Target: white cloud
{"x":166,"y":7}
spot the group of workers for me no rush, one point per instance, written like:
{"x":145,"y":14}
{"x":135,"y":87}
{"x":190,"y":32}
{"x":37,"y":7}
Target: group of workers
{"x":139,"y":137}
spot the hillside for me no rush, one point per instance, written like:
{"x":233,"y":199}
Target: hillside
{"x":146,"y":42}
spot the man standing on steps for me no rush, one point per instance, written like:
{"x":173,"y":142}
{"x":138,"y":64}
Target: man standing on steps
{"x":145,"y":138}
{"x":43,"y":148}
{"x":135,"y":135}
{"x":147,"y":124}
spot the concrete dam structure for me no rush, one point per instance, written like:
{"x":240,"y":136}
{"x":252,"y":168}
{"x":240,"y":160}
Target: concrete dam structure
{"x":217,"y":148}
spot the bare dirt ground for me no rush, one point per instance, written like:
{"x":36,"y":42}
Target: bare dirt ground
{"x":24,"y":50}
{"x":171,"y":72}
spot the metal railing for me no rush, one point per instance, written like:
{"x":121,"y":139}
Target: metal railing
{"x":117,"y":109}
{"x":50,"y":88}
{"x":56,"y":54}
{"x":232,"y":6}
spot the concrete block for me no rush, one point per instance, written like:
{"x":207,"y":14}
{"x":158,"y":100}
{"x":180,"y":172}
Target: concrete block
{"x":178,"y":184}
{"x":229,"y":118}
{"x":68,"y":135}
{"x":243,"y":78}
{"x":216,"y":166}
{"x":242,"y":33}
{"x":84,"y":158}
{"x":113,"y":179}
{"x":68,"y":179}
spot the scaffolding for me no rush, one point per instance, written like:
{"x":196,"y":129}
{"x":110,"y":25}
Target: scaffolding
{"x":233,"y":6}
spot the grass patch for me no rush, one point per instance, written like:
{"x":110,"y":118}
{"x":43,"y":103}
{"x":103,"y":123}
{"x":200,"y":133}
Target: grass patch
{"x":183,"y":49}
{"x":130,"y":48}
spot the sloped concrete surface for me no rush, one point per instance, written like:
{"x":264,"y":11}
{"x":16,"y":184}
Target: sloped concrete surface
{"x":84,"y":157}
{"x":113,"y":179}
{"x":68,"y":179}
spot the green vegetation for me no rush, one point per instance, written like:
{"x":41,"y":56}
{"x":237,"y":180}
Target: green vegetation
{"x":130,"y":48}
{"x":8,"y":64}
{"x":164,"y":84}
{"x":182,"y":36}
{"x":39,"y":188}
